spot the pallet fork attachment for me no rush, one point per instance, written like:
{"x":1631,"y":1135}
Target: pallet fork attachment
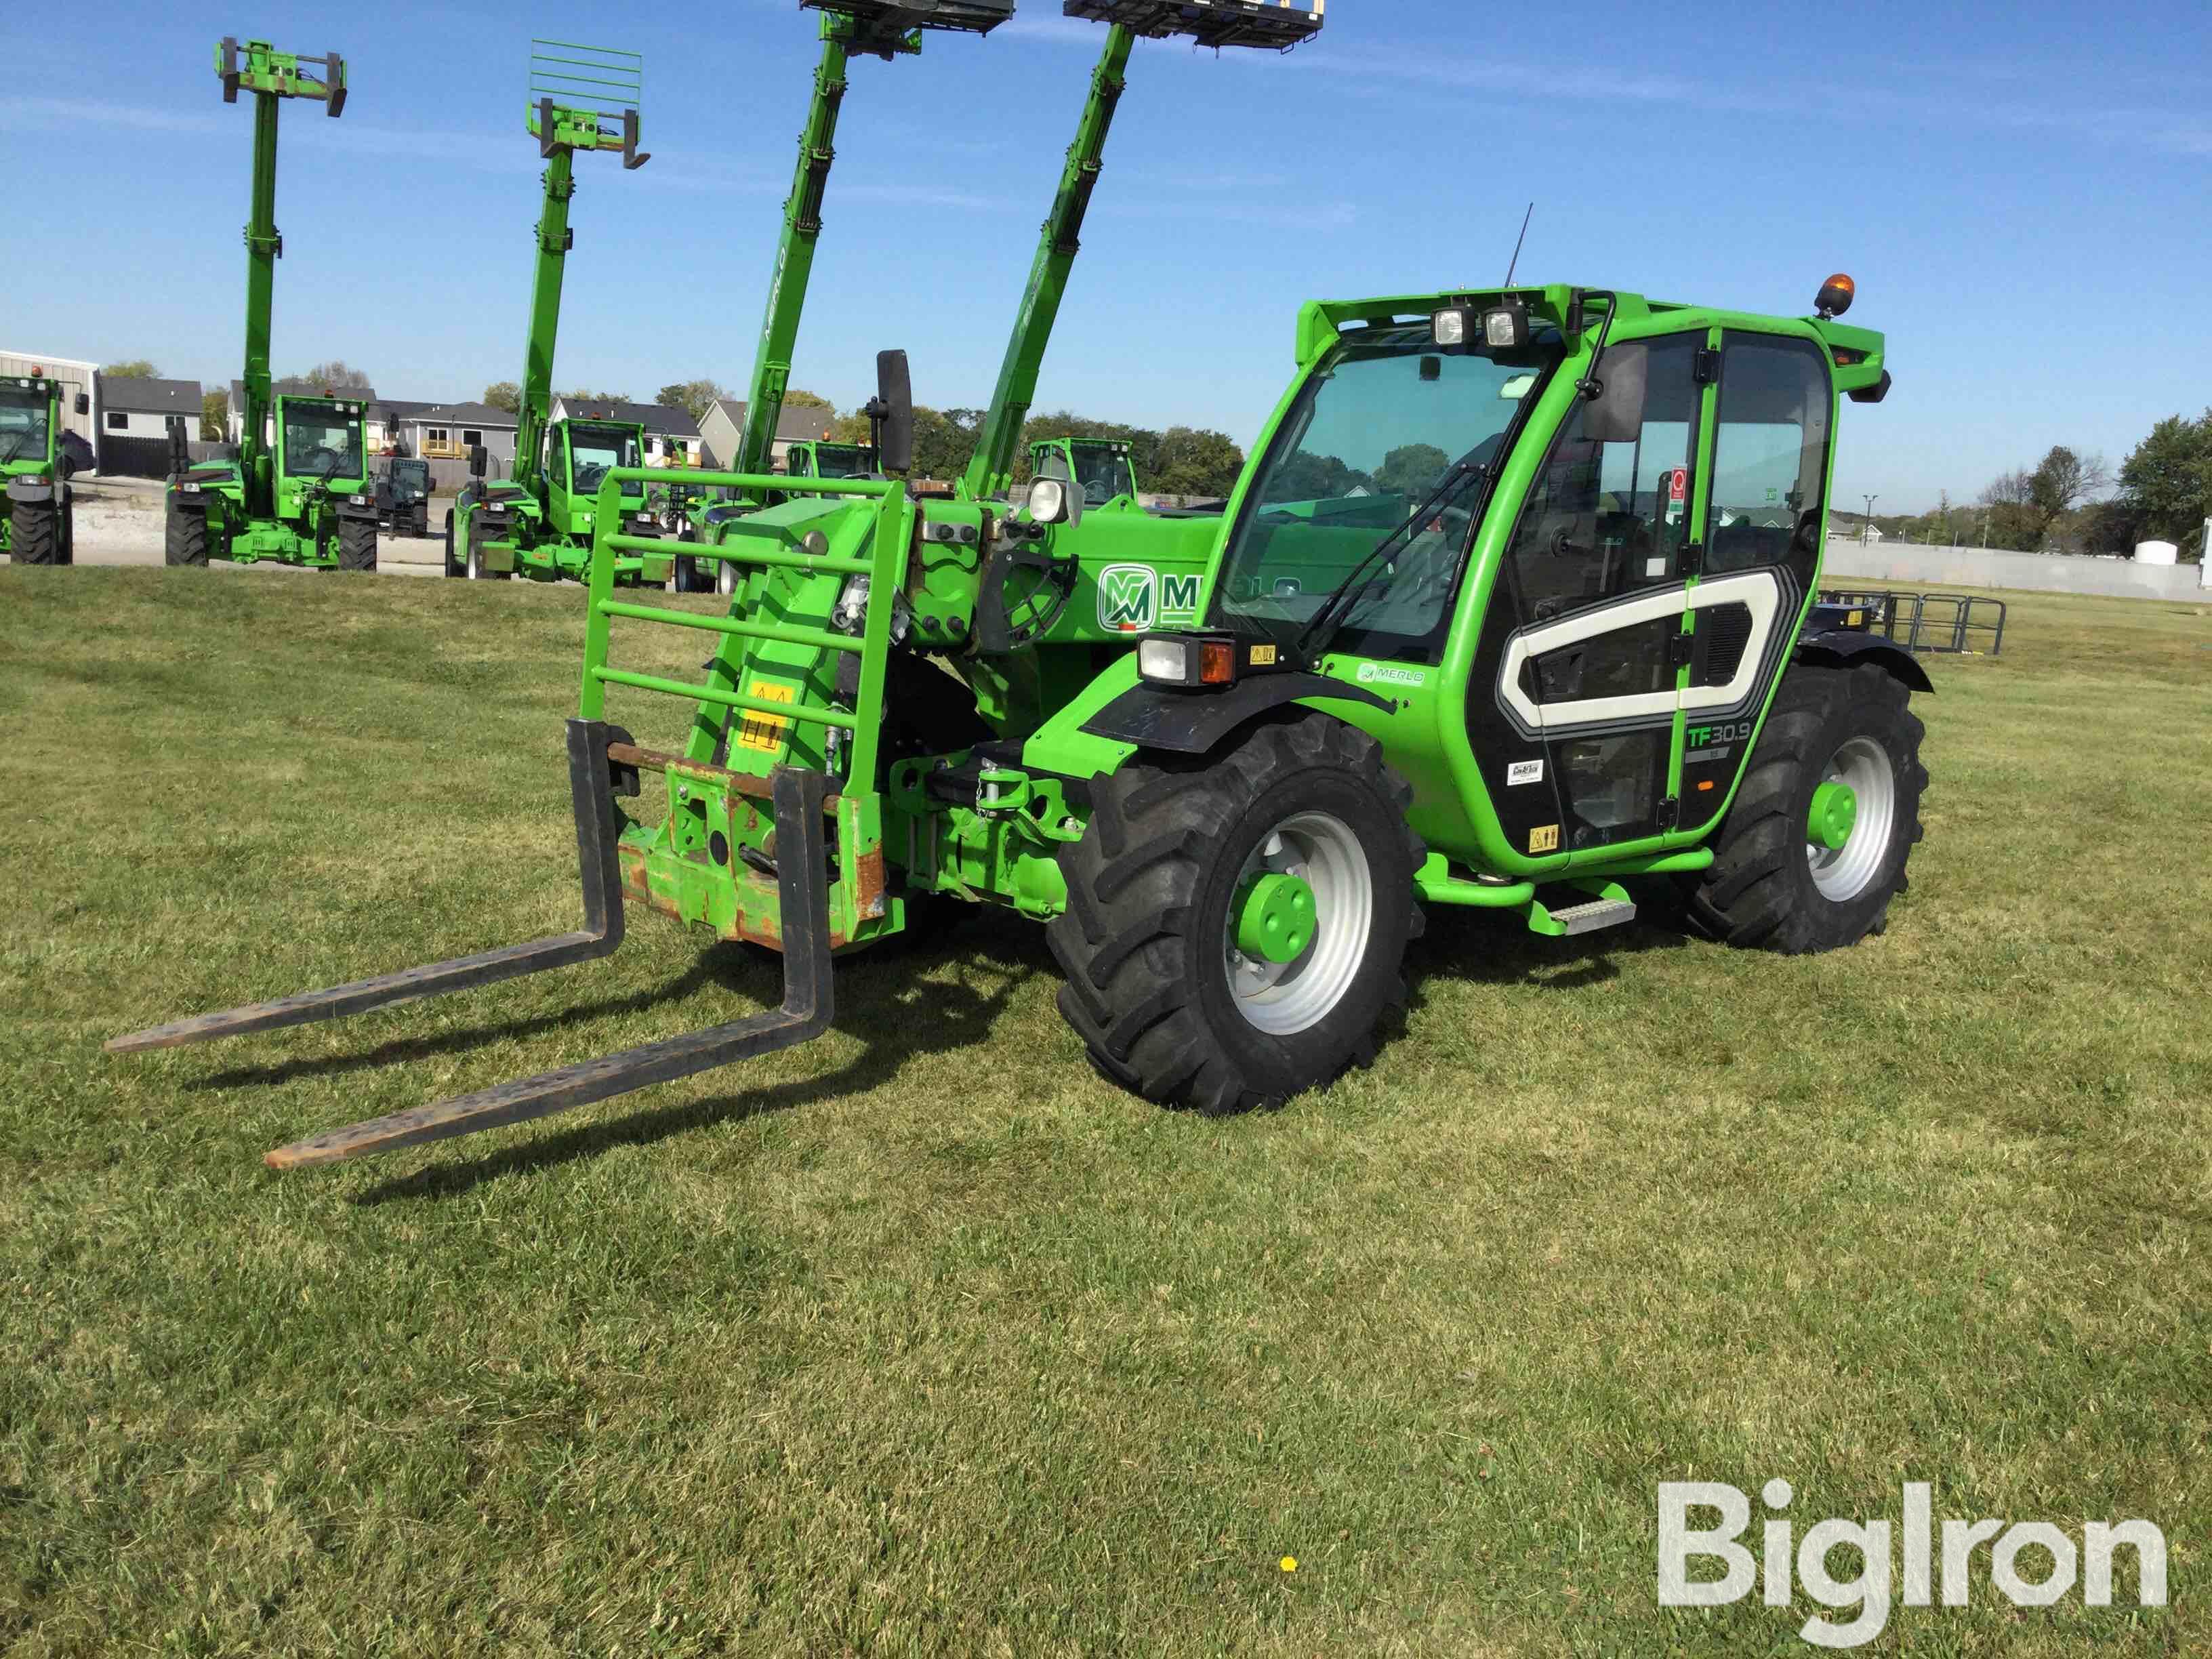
{"x":808,"y":1003}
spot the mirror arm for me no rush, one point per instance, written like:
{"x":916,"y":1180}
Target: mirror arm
{"x":1590,"y":385}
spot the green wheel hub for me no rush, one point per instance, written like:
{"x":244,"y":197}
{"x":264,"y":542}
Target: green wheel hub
{"x":1275,"y":921}
{"x":1835,"y":814}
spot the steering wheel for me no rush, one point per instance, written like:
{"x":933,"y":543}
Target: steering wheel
{"x":1431,"y":559}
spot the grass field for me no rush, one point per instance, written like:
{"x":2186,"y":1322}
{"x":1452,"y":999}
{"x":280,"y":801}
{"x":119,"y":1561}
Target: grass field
{"x":921,"y":1339}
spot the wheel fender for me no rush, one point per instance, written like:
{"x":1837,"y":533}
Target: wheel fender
{"x":1182,"y":722}
{"x":31,"y":491}
{"x":1844,"y":649}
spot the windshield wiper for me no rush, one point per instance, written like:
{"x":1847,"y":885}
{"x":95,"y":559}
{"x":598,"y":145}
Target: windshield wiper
{"x":1325,"y":623}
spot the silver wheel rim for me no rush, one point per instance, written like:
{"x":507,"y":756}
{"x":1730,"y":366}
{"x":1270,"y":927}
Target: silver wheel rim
{"x":1841,"y":873}
{"x":1283,"y":998}
{"x":476,"y":560}
{"x":725,"y":579}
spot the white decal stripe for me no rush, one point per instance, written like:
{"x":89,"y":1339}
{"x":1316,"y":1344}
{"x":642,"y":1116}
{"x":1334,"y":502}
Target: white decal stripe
{"x":1761,"y":591}
{"x":1571,"y":630}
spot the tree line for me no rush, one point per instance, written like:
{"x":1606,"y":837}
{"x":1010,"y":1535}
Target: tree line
{"x":2072,"y":503}
{"x":1179,"y":461}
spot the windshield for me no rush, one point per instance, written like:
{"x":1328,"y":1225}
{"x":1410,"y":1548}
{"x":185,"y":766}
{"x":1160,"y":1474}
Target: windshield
{"x":593,"y":449}
{"x":319,"y":442}
{"x":843,"y":461}
{"x":1374,"y":435}
{"x":1103,"y":473}
{"x":22,"y":424}
{"x":414,"y":472}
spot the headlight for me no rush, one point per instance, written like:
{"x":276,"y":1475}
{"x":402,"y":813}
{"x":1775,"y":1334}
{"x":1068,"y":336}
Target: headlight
{"x":1049,"y":502}
{"x":1186,"y":659}
{"x":1451,"y":327}
{"x":1505,"y":328}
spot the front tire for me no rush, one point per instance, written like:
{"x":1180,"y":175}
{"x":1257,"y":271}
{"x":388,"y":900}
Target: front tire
{"x":357,"y":544}
{"x":1167,"y":1004}
{"x":477,"y":571}
{"x":453,"y":566}
{"x":1771,"y":885}
{"x":184,"y":538}
{"x":35,"y":532}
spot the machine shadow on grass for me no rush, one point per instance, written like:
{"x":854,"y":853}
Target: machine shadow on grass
{"x":990,"y":957}
{"x":879,"y":992}
{"x":1491,"y":948}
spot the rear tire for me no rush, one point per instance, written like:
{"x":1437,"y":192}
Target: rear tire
{"x":184,"y":538}
{"x":453,"y":565}
{"x":357,"y":544}
{"x":420,"y":529}
{"x":1165,"y":1005}
{"x":35,"y":529}
{"x":1769,"y":885}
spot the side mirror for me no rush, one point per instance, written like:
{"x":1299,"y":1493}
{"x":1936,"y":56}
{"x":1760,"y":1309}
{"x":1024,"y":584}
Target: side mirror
{"x":479,"y":459}
{"x":1615,"y":415}
{"x":84,"y":403}
{"x":895,"y":396}
{"x":180,"y":454}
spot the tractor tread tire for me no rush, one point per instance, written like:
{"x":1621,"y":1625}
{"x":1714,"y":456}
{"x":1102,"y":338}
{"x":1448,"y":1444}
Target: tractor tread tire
{"x":184,"y":538}
{"x":1758,"y":893}
{"x":35,"y":533}
{"x":356,"y":552}
{"x":1144,"y":881}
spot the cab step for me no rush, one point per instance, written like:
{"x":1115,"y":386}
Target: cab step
{"x":1610,"y":907}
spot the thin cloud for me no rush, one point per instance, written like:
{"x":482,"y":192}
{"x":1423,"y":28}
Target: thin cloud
{"x":27,"y":114}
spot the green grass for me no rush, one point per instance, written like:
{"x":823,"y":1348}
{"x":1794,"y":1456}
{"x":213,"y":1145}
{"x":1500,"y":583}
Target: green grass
{"x":921,"y":1339}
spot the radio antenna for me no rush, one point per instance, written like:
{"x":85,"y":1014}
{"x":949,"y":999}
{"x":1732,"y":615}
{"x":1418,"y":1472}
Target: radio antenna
{"x":1515,"y":265}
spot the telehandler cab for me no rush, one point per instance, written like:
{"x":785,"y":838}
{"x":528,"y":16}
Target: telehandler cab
{"x":1512,"y":606}
{"x":1103,"y":468}
{"x":38,"y":525}
{"x":820,"y":459}
{"x":310,"y":502}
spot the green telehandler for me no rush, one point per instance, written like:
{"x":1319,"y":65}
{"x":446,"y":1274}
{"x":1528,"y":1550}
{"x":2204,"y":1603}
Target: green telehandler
{"x":39,"y":526}
{"x":1513,"y":609}
{"x":309,"y":499}
{"x":539,"y":522}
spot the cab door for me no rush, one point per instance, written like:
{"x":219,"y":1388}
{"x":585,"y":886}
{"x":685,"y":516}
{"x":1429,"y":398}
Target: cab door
{"x":1764,"y":519}
{"x":1583,"y":646}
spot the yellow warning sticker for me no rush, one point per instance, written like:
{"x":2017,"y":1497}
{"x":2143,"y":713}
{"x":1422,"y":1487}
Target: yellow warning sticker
{"x":1263,"y":656}
{"x":765,"y":731}
{"x":1546,"y":839}
{"x":1855,"y":619}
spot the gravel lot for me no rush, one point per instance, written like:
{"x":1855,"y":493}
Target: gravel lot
{"x":119,"y":521}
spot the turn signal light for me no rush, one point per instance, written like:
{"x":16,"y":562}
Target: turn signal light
{"x":1188,"y":660}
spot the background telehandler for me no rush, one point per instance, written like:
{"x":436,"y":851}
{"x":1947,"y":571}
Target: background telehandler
{"x":307,"y":499}
{"x":539,"y":522}
{"x":38,"y":525}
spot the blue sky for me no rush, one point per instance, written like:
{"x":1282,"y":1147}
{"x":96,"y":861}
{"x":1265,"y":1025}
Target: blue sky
{"x":2019,"y":192}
